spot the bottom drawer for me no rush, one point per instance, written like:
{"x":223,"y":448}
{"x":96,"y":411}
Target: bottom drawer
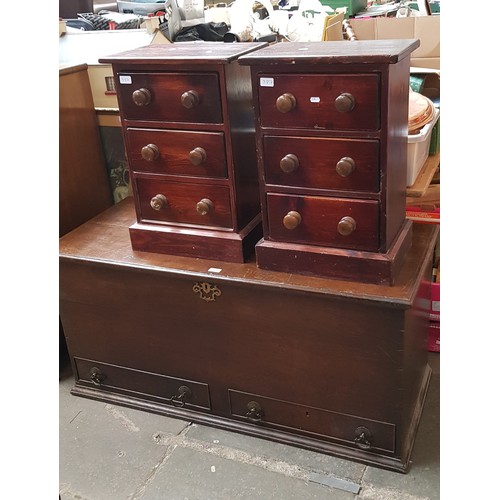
{"x":171,"y":390}
{"x":359,"y":432}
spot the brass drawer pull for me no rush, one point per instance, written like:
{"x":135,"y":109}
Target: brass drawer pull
{"x":286,"y":102}
{"x":141,"y":97}
{"x":346,"y":226}
{"x":183,"y":393}
{"x":190,"y":99}
{"x":292,"y":220}
{"x":255,"y":412}
{"x":364,"y":438}
{"x":289,"y":163}
{"x":150,"y":152}
{"x":197,"y":156}
{"x":158,"y":202}
{"x":345,"y":102}
{"x":345,"y":166}
{"x":96,"y":376}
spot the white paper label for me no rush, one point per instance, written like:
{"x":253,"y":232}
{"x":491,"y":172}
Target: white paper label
{"x":314,"y":99}
{"x":267,"y":82}
{"x":214,"y":270}
{"x":126,"y":79}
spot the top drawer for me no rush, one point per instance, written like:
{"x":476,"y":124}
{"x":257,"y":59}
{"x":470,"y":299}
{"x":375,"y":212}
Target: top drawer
{"x":171,"y":97}
{"x":331,"y":101}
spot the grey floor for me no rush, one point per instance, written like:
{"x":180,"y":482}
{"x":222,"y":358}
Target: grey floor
{"x":107,"y":452}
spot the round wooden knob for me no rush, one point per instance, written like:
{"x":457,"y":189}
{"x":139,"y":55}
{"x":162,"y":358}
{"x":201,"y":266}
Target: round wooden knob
{"x":197,"y":156}
{"x":158,"y":202}
{"x":204,"y":206}
{"x":150,"y":152}
{"x":345,"y":102}
{"x":285,"y":103}
{"x":190,"y":99}
{"x":346,"y":226}
{"x":141,"y":97}
{"x":289,"y":163}
{"x":292,"y":220}
{"x":345,"y":166}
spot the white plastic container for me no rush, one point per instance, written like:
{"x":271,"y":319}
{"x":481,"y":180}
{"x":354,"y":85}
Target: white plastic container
{"x":418,"y":149}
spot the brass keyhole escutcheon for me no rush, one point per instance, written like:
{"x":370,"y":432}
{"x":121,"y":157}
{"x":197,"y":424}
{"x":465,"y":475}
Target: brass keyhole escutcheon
{"x":190,"y":99}
{"x":158,"y":202}
{"x":204,"y":206}
{"x":96,"y":376}
{"x":150,"y":152}
{"x":286,"y":102}
{"x":197,"y":156}
{"x":292,"y":220}
{"x":345,"y":102}
{"x":345,"y":166}
{"x":346,"y":226}
{"x":289,"y":163}
{"x":141,"y":97}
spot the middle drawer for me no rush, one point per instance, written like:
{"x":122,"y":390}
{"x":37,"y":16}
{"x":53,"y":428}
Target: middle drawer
{"x":322,"y":163}
{"x":178,"y":202}
{"x":199,"y":154}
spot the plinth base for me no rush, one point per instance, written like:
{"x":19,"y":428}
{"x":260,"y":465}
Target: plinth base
{"x":369,"y":267}
{"x":226,"y":246}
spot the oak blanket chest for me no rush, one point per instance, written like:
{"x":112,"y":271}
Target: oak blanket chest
{"x":334,"y":366}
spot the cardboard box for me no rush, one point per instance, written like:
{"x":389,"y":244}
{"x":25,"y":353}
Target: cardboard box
{"x":425,"y":28}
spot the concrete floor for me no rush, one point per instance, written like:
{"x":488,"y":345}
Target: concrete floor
{"x":107,"y":452}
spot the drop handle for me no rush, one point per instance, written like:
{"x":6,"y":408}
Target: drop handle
{"x":197,"y":156}
{"x":190,"y":99}
{"x":289,"y":163}
{"x":255,"y":412}
{"x":158,"y":202}
{"x":286,"y":102}
{"x":345,"y":166}
{"x":346,"y":226}
{"x":204,"y":206}
{"x":345,"y":102}
{"x":141,"y":97}
{"x":178,"y":399}
{"x":292,"y":220}
{"x":96,"y":376}
{"x":150,"y":152}
{"x":363,"y":438}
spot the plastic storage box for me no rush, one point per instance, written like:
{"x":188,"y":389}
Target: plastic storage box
{"x":418,"y":149}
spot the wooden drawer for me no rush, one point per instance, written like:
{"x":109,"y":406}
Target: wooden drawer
{"x":181,"y":205}
{"x":322,"y":163}
{"x":320,"y":220}
{"x":161,"y":97}
{"x":294,"y":417}
{"x":200,"y":154}
{"x":320,"y":101}
{"x":178,"y":392}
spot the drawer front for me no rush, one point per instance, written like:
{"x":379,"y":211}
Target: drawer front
{"x":178,"y":392}
{"x":201,"y":204}
{"x":332,"y":102}
{"x":322,"y":163}
{"x":200,"y":154}
{"x":351,"y":430}
{"x":175,"y":97}
{"x":316,"y":220}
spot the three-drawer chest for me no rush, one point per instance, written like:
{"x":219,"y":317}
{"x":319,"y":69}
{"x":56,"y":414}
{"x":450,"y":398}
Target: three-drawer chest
{"x":188,"y":126}
{"x":331,"y":133}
